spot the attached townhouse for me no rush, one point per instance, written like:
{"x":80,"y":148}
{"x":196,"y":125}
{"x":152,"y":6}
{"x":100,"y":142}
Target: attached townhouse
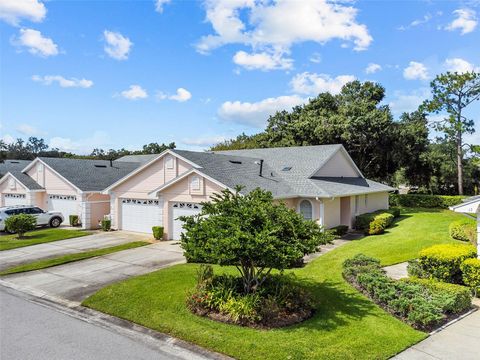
{"x":140,"y":191}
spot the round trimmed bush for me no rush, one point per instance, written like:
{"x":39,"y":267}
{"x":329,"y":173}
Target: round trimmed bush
{"x":442,"y":262}
{"x":471,"y":274}
{"x":464,"y":230}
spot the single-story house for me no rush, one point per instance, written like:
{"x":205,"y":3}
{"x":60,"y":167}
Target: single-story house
{"x":471,"y":205}
{"x":320,"y":182}
{"x":71,"y":186}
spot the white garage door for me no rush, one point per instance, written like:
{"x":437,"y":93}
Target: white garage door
{"x":14,"y":199}
{"x":140,"y":215}
{"x":66,"y":204}
{"x":182,"y":209}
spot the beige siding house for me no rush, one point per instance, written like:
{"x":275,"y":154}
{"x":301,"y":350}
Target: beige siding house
{"x":320,"y":182}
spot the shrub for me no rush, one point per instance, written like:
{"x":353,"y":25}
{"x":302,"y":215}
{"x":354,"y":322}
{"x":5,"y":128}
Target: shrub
{"x":74,"y":220}
{"x":281,"y":301}
{"x":456,"y":297}
{"x":424,"y":201}
{"x":106,"y":224}
{"x":374,"y":223}
{"x":251,"y":232}
{"x":20,"y":224}
{"x":394,"y":211}
{"x":471,"y":274}
{"x":464,"y":230}
{"x":339,"y":230}
{"x":157,"y":232}
{"x":423,"y":304}
{"x":442,"y":262}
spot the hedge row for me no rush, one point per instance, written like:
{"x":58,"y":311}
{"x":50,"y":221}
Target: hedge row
{"x":422,"y":304}
{"x":376,"y":222}
{"x":424,"y":201}
{"x":464,"y":230}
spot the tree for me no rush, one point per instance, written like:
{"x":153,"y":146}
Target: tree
{"x":20,"y":224}
{"x":453,"y":93}
{"x":250,"y":232}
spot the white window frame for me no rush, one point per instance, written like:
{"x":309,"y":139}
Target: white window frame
{"x":169,"y":162}
{"x":195,"y":183}
{"x":366,"y":201}
{"x":357,"y":198}
{"x":300,"y":208}
{"x":40,"y":167}
{"x":12,"y":184}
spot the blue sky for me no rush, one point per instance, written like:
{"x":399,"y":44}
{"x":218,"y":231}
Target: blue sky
{"x":111,"y":74}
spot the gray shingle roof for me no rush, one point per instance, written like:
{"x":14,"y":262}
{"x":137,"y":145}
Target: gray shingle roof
{"x":143,"y":159}
{"x":15,"y":168}
{"x":91,"y":175}
{"x":303,"y":161}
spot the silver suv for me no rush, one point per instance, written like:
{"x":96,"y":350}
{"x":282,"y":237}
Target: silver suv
{"x":44,"y":218}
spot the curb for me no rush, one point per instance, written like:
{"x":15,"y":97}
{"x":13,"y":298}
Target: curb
{"x":151,"y":338}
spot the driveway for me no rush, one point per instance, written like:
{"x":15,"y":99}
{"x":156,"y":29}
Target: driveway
{"x":14,"y":257}
{"x":78,"y":280}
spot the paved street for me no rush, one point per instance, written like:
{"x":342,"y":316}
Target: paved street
{"x":30,"y":330}
{"x":27,"y":254}
{"x":76,"y":281}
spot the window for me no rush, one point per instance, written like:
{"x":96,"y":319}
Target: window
{"x":169,"y":162}
{"x":40,"y":167}
{"x":366,"y":201}
{"x":306,"y":209}
{"x":11,"y":184}
{"x":195,"y":183}
{"x":356,"y":203}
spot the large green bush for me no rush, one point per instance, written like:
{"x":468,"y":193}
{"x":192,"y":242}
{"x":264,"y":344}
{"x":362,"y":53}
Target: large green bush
{"x":424,"y":201}
{"x":442,"y":262}
{"x":471,"y":274}
{"x":423,"y":305}
{"x":464,"y":230}
{"x":376,"y":222}
{"x":339,"y":230}
{"x":250,"y":232}
{"x":20,"y":224}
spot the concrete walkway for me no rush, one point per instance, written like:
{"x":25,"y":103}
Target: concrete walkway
{"x":23,"y":255}
{"x":78,"y":280}
{"x":345,"y":239}
{"x":459,"y":341}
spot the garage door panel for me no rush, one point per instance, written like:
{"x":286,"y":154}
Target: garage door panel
{"x":182,"y":209}
{"x":65,"y":204}
{"x":140,"y":215}
{"x":14,"y":199}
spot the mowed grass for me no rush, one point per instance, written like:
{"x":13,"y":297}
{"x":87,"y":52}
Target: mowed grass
{"x":346,"y":324}
{"x":8,"y":242}
{"x":42,"y":264}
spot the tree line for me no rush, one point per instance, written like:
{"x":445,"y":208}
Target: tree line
{"x":398,"y":152}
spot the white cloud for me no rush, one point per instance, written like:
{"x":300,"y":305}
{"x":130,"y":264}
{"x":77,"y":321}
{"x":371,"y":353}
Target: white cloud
{"x":425,"y":19}
{"x":408,"y":101}
{"x":316,"y":58}
{"x":12,"y":11}
{"x":134,"y":92}
{"x":204,"y":141}
{"x":159,"y":5}
{"x":273,"y":27}
{"x":256,"y":113}
{"x":63,"y":82}
{"x":372,"y":68}
{"x":36,"y":43}
{"x":117,"y":46}
{"x":8,"y":139}
{"x":415,"y":71}
{"x":313,"y":84}
{"x":99,"y":139}
{"x":466,"y":21}
{"x":29,"y":130}
{"x":262,"y":61}
{"x":459,"y":65}
{"x":180,"y":96}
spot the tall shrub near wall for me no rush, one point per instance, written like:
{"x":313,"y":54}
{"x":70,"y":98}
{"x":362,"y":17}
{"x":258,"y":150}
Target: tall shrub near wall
{"x":424,"y":201}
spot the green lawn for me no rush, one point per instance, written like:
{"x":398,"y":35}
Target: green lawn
{"x":346,"y":325}
{"x":41,"y":236}
{"x":42,"y":264}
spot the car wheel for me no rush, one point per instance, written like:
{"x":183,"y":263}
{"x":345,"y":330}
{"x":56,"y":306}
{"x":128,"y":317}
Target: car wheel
{"x":55,"y":222}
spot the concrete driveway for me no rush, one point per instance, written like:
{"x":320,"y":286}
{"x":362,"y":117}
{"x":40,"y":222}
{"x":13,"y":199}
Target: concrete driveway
{"x":78,"y":280}
{"x":23,"y":255}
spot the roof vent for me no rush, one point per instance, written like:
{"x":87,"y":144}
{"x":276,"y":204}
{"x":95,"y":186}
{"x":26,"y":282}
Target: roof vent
{"x":100,"y":166}
{"x":14,"y":162}
{"x":235,"y":161}
{"x":287,"y":168}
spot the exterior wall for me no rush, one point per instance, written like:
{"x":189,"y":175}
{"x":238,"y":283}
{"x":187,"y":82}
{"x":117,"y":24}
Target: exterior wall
{"x":11,"y":186}
{"x":53,"y":184}
{"x":97,"y":205}
{"x":181,"y":192}
{"x":373,"y":202}
{"x":332,"y":213}
{"x":338,"y":165}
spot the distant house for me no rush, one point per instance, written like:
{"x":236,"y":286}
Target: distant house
{"x":140,"y":191}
